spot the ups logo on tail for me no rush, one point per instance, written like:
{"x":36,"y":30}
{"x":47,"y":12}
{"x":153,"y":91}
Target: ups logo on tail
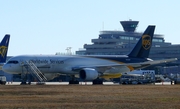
{"x":146,"y":42}
{"x":3,"y":50}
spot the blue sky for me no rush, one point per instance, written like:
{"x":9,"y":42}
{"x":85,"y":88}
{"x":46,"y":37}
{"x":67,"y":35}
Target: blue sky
{"x":50,"y":26}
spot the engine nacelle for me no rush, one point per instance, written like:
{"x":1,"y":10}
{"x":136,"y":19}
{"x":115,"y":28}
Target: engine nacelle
{"x":88,"y":74}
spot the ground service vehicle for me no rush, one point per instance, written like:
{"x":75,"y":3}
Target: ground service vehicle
{"x":2,"y":79}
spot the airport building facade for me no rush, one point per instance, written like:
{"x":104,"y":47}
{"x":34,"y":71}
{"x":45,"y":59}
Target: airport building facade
{"x":122,"y":42}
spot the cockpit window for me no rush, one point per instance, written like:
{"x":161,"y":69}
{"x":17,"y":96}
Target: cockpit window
{"x":12,"y":62}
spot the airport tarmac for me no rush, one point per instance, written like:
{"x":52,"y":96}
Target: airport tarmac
{"x":89,"y":96}
{"x":80,"y":83}
{"x":61,"y":83}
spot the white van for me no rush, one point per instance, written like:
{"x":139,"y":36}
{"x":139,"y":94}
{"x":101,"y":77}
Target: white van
{"x":2,"y":79}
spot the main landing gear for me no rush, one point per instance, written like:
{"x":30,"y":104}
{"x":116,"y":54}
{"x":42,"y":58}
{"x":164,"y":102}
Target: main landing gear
{"x":73,"y":80}
{"x":94,"y":82}
{"x":97,"y":82}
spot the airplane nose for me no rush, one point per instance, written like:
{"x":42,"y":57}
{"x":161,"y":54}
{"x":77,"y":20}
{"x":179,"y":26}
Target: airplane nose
{"x":10,"y":69}
{"x":5,"y":68}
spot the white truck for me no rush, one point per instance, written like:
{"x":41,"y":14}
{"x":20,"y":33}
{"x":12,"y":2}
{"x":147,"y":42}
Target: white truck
{"x":2,"y":79}
{"x":138,"y":77}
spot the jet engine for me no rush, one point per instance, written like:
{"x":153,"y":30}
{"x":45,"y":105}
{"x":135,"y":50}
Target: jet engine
{"x":88,"y":74}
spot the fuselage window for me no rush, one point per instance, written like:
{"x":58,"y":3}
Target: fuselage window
{"x":13,"y":62}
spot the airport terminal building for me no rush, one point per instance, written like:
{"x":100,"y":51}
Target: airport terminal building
{"x":122,"y":42}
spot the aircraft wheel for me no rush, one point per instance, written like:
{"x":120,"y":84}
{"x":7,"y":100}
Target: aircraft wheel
{"x":4,"y":83}
{"x":23,"y":83}
{"x":73,"y":82}
{"x":29,"y":83}
{"x":96,"y":82}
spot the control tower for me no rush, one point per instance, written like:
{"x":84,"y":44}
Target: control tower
{"x":129,"y":26}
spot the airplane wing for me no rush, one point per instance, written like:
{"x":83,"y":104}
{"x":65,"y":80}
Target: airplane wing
{"x":147,"y":63}
{"x":160,"y":61}
{"x":134,"y":65}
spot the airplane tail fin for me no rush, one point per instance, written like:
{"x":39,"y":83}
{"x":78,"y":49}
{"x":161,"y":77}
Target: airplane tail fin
{"x":143,"y":46}
{"x":4,"y":48}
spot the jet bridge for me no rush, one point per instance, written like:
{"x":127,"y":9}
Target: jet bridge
{"x":32,"y":69}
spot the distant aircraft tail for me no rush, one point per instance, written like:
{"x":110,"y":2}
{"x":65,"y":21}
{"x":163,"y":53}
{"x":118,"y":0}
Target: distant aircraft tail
{"x":143,"y":46}
{"x":4,"y":48}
